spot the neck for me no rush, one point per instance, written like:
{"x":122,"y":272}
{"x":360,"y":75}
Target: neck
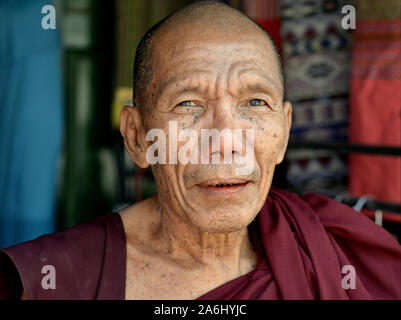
{"x":232,"y":251}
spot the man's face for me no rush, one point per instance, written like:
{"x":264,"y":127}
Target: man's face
{"x":223,"y":81}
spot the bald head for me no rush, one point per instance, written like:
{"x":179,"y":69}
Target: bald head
{"x":212,"y":16}
{"x":202,"y":20}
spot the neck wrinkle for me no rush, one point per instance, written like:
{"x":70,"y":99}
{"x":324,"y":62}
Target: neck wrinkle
{"x":191,"y":246}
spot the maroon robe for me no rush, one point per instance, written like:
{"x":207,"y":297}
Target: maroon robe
{"x":302,"y":242}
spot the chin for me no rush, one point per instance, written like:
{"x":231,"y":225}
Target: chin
{"x":217,"y":221}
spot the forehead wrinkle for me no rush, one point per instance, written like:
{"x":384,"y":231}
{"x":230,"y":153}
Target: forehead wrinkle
{"x":207,"y":55}
{"x":191,"y":45}
{"x":185,"y":84}
{"x":235,"y":68}
{"x":189,"y":76}
{"x":209,"y":58}
{"x":176,"y":63}
{"x":181,"y":63}
{"x":249,"y":45}
{"x":248,"y":65}
{"x":271,"y":82}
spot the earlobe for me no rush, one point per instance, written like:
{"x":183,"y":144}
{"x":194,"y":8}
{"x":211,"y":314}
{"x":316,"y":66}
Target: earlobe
{"x":132,"y":131}
{"x":287,"y":127}
{"x":288,"y":115}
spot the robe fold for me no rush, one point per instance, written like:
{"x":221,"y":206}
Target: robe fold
{"x":305,"y":245}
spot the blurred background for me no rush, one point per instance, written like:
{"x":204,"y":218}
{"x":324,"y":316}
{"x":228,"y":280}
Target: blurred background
{"x":62,"y":160}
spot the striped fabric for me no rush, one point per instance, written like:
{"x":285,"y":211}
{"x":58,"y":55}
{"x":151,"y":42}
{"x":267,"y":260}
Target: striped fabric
{"x":376,"y":98}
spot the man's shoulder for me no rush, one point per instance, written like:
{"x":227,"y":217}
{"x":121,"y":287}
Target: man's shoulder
{"x":348,"y":237}
{"x":329,"y":211}
{"x":75,"y":255}
{"x":337,"y":218}
{"x":82,"y":236}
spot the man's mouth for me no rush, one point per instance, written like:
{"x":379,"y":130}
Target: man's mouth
{"x":224,"y":185}
{"x":220,"y":186}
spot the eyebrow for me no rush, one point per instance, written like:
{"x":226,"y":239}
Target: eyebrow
{"x":258,"y":85}
{"x":269,"y":85}
{"x":186,"y":89}
{"x":175,"y":79}
{"x":167,"y":83}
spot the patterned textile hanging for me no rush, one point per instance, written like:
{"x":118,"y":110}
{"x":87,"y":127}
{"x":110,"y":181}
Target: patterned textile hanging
{"x":316,"y":60}
{"x":375,"y":116}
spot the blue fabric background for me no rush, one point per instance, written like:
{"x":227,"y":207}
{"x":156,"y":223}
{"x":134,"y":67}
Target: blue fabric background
{"x":31,"y":121}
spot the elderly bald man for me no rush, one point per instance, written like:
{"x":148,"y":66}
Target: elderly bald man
{"x":210,"y":232}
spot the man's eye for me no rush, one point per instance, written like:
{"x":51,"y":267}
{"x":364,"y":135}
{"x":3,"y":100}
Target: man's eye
{"x":187,"y":106}
{"x":186,"y":103}
{"x":257,"y":103}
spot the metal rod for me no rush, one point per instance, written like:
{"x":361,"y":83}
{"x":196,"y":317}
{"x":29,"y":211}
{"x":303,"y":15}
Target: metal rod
{"x":372,"y":204}
{"x":345,"y":147}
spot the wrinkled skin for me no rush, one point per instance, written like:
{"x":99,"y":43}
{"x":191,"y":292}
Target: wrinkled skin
{"x":190,"y":237}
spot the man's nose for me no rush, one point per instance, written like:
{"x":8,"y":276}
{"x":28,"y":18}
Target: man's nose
{"x":223,"y":117}
{"x":226,"y":137}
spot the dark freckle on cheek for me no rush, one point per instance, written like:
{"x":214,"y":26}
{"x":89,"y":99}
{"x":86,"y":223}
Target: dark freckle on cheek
{"x":275,"y":135}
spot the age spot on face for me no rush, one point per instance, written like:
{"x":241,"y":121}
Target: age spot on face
{"x":245,"y":117}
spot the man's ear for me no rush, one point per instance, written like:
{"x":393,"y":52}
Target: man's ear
{"x":287,"y":124}
{"x":132,"y":130}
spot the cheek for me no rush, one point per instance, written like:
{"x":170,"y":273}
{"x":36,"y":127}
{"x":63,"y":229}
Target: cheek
{"x":268,"y":143}
{"x":166,"y":178}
